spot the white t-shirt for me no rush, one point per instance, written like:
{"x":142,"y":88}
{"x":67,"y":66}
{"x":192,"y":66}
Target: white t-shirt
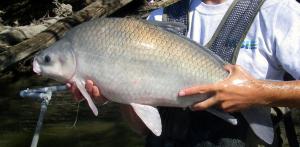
{"x":272,"y":45}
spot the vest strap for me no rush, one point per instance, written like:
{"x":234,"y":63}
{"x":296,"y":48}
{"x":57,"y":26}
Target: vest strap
{"x":232,"y":30}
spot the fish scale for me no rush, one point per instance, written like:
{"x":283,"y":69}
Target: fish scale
{"x":153,"y":55}
{"x":139,"y":63}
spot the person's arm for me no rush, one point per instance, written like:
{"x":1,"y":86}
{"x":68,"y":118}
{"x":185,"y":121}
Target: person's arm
{"x":127,"y":112}
{"x":241,"y":91}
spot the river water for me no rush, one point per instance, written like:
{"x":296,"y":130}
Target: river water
{"x":18,"y":118}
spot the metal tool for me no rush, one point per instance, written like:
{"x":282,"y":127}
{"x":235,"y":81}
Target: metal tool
{"x":42,"y":95}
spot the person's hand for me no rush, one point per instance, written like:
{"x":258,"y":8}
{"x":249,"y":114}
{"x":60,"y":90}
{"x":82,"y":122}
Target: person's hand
{"x":91,"y":88}
{"x":238,"y":91}
{"x":126,"y":110}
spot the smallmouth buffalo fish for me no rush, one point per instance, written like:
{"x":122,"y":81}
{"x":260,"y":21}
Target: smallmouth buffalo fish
{"x":143,"y":64}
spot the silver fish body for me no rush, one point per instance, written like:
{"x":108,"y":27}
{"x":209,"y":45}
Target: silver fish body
{"x":134,"y":61}
{"x":137,"y":63}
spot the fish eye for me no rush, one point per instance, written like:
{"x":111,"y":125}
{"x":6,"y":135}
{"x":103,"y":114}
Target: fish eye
{"x":47,"y":59}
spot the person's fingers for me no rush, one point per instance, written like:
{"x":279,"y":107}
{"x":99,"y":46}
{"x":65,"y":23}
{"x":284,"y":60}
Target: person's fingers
{"x":89,"y":86}
{"x":77,"y":94}
{"x":232,"y":109}
{"x":74,"y":90}
{"x":226,"y":106}
{"x":229,"y":67}
{"x":197,"y":90}
{"x":205,"y":104}
{"x":92,"y":89}
{"x":234,"y":69}
{"x":69,"y":85}
{"x":95,"y":91}
{"x":90,"y":82}
{"x":230,"y":106}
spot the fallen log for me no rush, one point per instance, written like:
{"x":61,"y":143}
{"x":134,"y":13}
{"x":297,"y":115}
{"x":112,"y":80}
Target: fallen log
{"x":156,"y":5}
{"x":27,"y":48}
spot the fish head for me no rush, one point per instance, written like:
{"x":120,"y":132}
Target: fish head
{"x":56,"y":62}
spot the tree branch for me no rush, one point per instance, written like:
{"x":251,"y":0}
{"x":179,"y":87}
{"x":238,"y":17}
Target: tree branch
{"x":27,"y":48}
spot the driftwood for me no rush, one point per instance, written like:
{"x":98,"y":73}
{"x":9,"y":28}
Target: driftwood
{"x":27,"y":48}
{"x":22,"y":52}
{"x":159,"y":4}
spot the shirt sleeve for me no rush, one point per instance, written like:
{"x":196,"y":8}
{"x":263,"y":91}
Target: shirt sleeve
{"x":287,"y":37}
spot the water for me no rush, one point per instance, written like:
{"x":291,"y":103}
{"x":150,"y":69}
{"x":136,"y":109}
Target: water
{"x":18,"y":118}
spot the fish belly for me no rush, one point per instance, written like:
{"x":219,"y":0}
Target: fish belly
{"x":144,"y":82}
{"x":144,"y":65}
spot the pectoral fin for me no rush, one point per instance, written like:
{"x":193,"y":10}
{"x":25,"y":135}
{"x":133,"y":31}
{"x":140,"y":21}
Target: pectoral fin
{"x":150,"y":116}
{"x":260,"y":122}
{"x":85,"y":94}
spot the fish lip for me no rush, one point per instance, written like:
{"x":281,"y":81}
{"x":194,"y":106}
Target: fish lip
{"x":36,"y":67}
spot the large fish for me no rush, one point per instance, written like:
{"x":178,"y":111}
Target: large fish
{"x":142,"y":64}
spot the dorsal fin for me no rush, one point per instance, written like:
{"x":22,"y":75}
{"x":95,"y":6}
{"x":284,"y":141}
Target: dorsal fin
{"x":173,"y":27}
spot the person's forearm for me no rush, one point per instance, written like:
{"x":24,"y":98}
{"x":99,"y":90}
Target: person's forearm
{"x":284,"y":93}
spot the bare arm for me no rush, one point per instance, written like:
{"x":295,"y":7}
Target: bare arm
{"x":285,"y":93}
{"x":240,"y":91}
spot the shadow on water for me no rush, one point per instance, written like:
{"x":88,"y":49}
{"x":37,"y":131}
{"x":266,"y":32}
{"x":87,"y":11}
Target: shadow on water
{"x":18,"y":118}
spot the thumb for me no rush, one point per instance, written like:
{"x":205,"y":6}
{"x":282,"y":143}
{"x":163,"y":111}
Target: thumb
{"x":229,"y":68}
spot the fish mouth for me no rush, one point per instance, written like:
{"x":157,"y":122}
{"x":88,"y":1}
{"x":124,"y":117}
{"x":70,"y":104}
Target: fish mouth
{"x":36,"y":67}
